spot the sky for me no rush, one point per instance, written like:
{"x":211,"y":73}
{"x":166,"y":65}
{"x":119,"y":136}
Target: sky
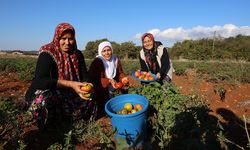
{"x":29,"y":24}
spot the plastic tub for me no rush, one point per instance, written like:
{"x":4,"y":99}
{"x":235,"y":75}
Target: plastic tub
{"x":131,"y":127}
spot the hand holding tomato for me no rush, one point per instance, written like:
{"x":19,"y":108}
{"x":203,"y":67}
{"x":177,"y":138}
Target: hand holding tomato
{"x":125,"y":81}
{"x":158,"y":75}
{"x":86,"y":91}
{"x":118,"y":85}
{"x":87,"y":87}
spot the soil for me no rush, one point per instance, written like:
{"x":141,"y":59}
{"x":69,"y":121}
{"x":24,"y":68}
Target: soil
{"x":231,"y":107}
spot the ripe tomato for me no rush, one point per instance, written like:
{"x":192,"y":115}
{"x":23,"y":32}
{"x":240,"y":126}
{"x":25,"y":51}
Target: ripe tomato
{"x":118,"y":85}
{"x":124,"y":111}
{"x":128,"y":106}
{"x":125,"y":81}
{"x":138,"y":107}
{"x":151,"y":78}
{"x":137,"y":73}
{"x":133,"y":111}
{"x":86,"y":87}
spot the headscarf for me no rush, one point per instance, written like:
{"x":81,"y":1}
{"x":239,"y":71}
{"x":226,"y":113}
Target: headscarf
{"x":63,"y":59}
{"x":150,"y":55}
{"x":111,"y":65}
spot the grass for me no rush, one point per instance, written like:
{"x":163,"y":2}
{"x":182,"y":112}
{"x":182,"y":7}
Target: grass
{"x":214,"y":71}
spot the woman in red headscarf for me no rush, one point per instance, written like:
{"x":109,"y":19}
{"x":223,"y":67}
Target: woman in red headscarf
{"x":154,"y":58}
{"x":55,"y":92}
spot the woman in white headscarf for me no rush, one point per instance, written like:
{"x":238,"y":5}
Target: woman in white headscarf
{"x":105,"y":71}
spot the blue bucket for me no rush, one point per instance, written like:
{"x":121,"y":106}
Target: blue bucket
{"x":131,"y":127}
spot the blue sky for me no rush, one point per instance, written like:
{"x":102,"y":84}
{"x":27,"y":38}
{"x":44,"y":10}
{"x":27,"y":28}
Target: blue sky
{"x":29,"y":24}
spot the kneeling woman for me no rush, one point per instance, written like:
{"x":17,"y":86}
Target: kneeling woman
{"x":105,"y":71}
{"x":55,"y":93}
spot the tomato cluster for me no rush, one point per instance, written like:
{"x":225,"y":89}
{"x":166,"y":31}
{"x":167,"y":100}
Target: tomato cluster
{"x":128,"y":108}
{"x":123,"y":82}
{"x":143,"y":75}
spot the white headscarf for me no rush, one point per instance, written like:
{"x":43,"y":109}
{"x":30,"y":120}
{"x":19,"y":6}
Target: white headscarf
{"x":111,"y":65}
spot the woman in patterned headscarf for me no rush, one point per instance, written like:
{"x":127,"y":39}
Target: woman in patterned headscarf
{"x":154,"y":58}
{"x":60,"y":72}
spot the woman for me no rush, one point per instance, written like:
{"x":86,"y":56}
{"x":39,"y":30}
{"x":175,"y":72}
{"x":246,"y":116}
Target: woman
{"x":55,"y":92}
{"x":105,"y":72}
{"x":154,"y":58}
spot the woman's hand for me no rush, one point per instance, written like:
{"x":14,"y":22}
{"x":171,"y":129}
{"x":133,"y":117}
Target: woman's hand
{"x":112,"y":82}
{"x":76,"y":86}
{"x":125,"y":81}
{"x":86,"y":91}
{"x":158,"y":75}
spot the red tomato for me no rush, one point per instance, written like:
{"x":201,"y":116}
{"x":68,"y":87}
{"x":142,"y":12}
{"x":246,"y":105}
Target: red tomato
{"x":138,"y":107}
{"x":137,"y":73}
{"x":118,"y":85}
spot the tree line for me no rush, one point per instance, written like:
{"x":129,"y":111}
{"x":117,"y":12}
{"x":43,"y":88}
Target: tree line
{"x":126,"y":50}
{"x":218,"y":48}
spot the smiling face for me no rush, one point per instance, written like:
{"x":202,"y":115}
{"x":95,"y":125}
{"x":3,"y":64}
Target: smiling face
{"x":67,"y":41}
{"x":148,"y":43}
{"x":107,"y":53}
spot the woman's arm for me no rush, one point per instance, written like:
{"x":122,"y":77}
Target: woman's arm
{"x":46,"y":72}
{"x":84,"y":76}
{"x":97,"y":74}
{"x":165,"y":63}
{"x":143,"y":64}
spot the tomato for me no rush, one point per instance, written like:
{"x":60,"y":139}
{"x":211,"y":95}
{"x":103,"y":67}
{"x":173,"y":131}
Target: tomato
{"x":138,"y":107}
{"x":133,"y":111}
{"x":124,"y":111}
{"x":118,"y":85}
{"x":151,"y":78}
{"x":86,"y":87}
{"x":137,"y":73}
{"x":125,"y":81}
{"x":128,"y":106}
{"x":87,"y":95}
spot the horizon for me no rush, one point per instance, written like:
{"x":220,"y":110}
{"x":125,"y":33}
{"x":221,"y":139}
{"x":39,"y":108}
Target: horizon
{"x":32,"y":24}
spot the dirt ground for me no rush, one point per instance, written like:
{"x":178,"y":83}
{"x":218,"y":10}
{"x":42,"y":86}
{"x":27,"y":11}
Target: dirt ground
{"x":233,"y":106}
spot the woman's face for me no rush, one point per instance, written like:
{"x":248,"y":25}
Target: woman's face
{"x":67,"y":41}
{"x":148,"y":43}
{"x":107,"y":53}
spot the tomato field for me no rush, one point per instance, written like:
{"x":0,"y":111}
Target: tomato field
{"x":205,"y":107}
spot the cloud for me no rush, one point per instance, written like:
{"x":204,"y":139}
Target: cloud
{"x":172,"y":35}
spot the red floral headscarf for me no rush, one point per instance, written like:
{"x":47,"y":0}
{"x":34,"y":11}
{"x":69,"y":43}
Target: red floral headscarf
{"x":150,"y":55}
{"x":65,"y":69}
{"x":147,"y":35}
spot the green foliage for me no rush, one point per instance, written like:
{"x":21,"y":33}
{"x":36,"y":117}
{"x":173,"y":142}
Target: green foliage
{"x":24,"y":67}
{"x":124,"y":50}
{"x":83,"y":131}
{"x":236,"y":48}
{"x":221,"y":91}
{"x":67,"y":143}
{"x":232,"y":72}
{"x":12,"y":117}
{"x":176,"y":120}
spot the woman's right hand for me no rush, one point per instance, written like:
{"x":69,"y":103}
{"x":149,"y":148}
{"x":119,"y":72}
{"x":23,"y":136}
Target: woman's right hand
{"x":112,"y":82}
{"x":77,"y":87}
{"x":83,"y":89}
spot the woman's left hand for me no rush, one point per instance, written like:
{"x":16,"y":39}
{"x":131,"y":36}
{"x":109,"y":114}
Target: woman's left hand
{"x":158,"y":75}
